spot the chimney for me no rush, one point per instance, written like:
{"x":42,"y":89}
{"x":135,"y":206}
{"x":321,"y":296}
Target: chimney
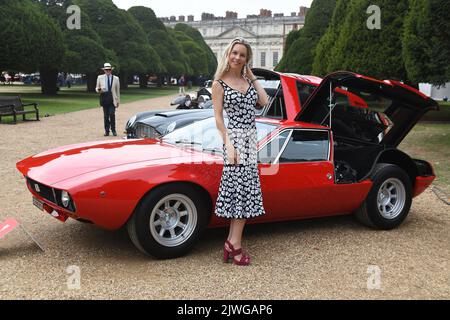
{"x":173,"y":18}
{"x":293,"y":14}
{"x":181,"y":18}
{"x":231,"y":15}
{"x":265,"y":13}
{"x":207,"y":16}
{"x":303,"y":11}
{"x":190,"y":18}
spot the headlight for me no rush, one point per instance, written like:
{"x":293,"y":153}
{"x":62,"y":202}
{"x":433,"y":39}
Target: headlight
{"x":65,"y":198}
{"x":171,"y":127}
{"x":203,"y":98}
{"x":131,"y":121}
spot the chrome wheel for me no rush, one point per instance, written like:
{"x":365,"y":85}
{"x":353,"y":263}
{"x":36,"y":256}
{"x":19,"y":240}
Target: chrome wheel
{"x":391,"y":198}
{"x":173,"y":220}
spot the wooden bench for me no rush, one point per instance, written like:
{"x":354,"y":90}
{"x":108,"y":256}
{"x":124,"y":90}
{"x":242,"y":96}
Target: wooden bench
{"x":13,"y":106}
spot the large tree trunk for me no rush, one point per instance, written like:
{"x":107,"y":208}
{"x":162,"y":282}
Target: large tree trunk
{"x":143,"y":79}
{"x":160,"y":80}
{"x":123,"y":80}
{"x":91,"y":81}
{"x":130,"y":79}
{"x":48,"y":80}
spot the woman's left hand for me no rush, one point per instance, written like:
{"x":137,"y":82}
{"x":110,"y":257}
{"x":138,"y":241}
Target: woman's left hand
{"x":250,"y":74}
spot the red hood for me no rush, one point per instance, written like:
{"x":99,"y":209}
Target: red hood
{"x":66,"y":162}
{"x":407,"y":106}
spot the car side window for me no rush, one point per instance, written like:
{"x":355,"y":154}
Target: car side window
{"x":270,"y":151}
{"x":306,"y":145}
{"x":304,"y":91}
{"x":277,"y":109}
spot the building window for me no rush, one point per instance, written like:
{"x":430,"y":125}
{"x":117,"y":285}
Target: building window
{"x":275,"y":58}
{"x":263,"y":59}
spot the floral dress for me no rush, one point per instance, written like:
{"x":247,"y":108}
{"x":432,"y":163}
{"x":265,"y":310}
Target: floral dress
{"x":240,"y":189}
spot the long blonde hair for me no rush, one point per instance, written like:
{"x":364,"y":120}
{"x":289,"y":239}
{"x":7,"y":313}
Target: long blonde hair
{"x":222,"y":66}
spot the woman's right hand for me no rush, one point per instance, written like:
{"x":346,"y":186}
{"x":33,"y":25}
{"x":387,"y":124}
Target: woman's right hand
{"x":232,"y":155}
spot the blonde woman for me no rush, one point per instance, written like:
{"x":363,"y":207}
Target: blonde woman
{"x":237,"y":91}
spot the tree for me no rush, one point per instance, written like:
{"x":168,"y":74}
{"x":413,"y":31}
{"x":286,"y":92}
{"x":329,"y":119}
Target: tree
{"x":196,"y":37}
{"x":300,"y":55}
{"x":84,"y":50}
{"x":374,"y":52}
{"x":324,"y":52}
{"x":426,"y":45}
{"x":290,"y":39}
{"x":167,"y":47}
{"x":31,"y":41}
{"x":196,"y":56}
{"x":121,"y":33}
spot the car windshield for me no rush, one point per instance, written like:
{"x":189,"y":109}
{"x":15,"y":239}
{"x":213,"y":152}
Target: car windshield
{"x":205,"y":136}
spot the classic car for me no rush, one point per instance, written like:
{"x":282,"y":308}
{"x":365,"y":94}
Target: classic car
{"x":152,"y":124}
{"x":164,"y":190}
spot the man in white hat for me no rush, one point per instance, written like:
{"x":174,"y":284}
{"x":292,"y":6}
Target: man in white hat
{"x":108,"y":86}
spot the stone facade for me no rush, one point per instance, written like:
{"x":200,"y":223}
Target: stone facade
{"x":266,"y":33}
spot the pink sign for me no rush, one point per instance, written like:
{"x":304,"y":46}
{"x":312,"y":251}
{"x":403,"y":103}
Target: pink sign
{"x":6,"y":227}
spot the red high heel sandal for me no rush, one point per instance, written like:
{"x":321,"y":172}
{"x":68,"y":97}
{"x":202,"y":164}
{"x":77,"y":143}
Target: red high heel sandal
{"x":231,"y":253}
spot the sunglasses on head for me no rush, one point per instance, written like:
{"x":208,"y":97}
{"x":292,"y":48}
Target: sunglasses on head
{"x":240,"y":40}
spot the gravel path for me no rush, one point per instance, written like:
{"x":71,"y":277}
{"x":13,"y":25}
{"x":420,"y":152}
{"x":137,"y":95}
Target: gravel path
{"x":330,"y":258}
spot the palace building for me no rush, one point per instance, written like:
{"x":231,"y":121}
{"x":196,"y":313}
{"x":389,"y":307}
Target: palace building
{"x":266,"y":32}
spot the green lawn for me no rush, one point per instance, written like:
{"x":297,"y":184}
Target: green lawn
{"x":431,"y":142}
{"x":442,"y":115}
{"x":76,"y":98}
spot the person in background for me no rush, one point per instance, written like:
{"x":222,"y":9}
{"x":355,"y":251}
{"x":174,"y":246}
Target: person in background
{"x":69,"y":80}
{"x":108,"y":86}
{"x":182,"y":84}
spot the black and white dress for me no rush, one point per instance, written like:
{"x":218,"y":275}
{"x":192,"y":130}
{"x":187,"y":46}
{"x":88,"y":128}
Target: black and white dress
{"x":240,"y":189}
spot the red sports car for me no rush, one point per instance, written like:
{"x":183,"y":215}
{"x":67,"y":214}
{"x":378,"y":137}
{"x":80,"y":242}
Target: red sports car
{"x":336,"y":155}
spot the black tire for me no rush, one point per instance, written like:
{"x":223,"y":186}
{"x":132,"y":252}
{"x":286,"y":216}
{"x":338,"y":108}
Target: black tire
{"x":144,"y":234}
{"x":373,"y":212}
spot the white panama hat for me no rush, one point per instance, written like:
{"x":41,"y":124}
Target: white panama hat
{"x":107,"y":66}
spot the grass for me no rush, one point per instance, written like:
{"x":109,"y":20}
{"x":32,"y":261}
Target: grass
{"x":76,"y":98}
{"x":431,"y":142}
{"x":442,"y":115}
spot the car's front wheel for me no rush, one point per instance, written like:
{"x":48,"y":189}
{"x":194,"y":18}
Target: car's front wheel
{"x":168,"y":221}
{"x":389,"y":200}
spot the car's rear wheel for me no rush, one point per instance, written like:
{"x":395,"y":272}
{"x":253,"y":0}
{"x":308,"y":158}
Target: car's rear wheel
{"x":389,"y":200}
{"x":168,"y":221}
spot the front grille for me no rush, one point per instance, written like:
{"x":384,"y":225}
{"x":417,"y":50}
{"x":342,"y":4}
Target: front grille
{"x":146,"y":131}
{"x":44,"y":191}
{"x":49,"y":194}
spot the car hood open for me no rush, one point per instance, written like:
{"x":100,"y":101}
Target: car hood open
{"x":385,"y":123}
{"x":67,"y":162}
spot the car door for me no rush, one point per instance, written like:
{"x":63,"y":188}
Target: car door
{"x":297,"y":174}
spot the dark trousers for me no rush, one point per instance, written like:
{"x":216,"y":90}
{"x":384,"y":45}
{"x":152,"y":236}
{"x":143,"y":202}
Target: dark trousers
{"x":109,"y":116}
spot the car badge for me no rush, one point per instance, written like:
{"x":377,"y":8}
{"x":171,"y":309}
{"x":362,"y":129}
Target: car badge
{"x":36,"y":187}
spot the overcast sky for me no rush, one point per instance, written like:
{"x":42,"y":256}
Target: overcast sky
{"x":167,"y":8}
